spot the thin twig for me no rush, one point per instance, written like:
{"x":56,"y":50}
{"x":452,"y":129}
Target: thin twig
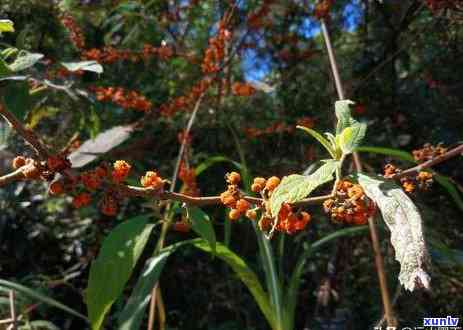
{"x":13,"y":176}
{"x":14,"y":320}
{"x":358,"y":165}
{"x":27,"y":134}
{"x":430,"y":163}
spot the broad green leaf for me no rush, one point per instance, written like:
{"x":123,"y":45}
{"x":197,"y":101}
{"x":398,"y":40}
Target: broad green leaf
{"x":16,"y":98}
{"x":343,"y":114}
{"x":404,"y":221}
{"x":202,"y":225}
{"x":112,"y":268}
{"x":40,"y":297}
{"x":6,"y":25}
{"x":92,"y":66}
{"x":25,"y":61}
{"x":295,"y":187}
{"x":351,"y":137}
{"x":246,"y":275}
{"x":42,"y":324}
{"x":320,"y":138}
{"x":134,"y":311}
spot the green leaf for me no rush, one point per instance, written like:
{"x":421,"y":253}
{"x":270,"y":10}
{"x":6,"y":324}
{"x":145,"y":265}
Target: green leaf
{"x":400,"y":154}
{"x":246,"y":275}
{"x":134,"y":311}
{"x":42,"y":324}
{"x":404,"y":221}
{"x":40,"y":297}
{"x":448,"y":185}
{"x":16,"y":98}
{"x":4,"y":68}
{"x":25,"y":61}
{"x":343,"y":114}
{"x":320,"y":138}
{"x":214,"y":160}
{"x":202,"y":225}
{"x":36,"y":115}
{"x":6,"y":25}
{"x":351,"y":137}
{"x":112,"y":268}
{"x":295,"y":187}
{"x":92,"y":66}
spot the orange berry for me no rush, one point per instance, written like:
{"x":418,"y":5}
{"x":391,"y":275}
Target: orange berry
{"x":305,"y":217}
{"x":151,"y":180}
{"x":91,"y":180}
{"x":255,"y":187}
{"x":233,"y":178}
{"x":242,"y":205}
{"x":227,"y":199}
{"x":57,"y":163}
{"x":251,"y":214}
{"x":121,"y":171}
{"x":101,"y":171}
{"x":81,"y":200}
{"x":234,"y":214}
{"x":265,"y":223}
{"x":260,"y":181}
{"x":56,"y":188}
{"x":182,"y":227}
{"x":109,"y":206}
{"x":19,"y":161}
{"x":272,"y":183}
{"x":31,"y":172}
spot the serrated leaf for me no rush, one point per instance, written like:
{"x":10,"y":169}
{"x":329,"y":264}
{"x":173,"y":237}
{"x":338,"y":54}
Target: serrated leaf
{"x":351,"y":137}
{"x":103,"y":142}
{"x":112,"y":268}
{"x":92,"y":66}
{"x":202,"y":225}
{"x":320,"y":138}
{"x":343,"y":114}
{"x":6,"y":25}
{"x":26,"y":61}
{"x":295,"y":187}
{"x":404,"y":221}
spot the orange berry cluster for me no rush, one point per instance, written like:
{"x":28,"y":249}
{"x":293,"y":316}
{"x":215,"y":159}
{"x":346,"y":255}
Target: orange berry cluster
{"x":242,"y":89}
{"x":287,"y":221}
{"x":75,"y":32}
{"x":291,"y":222}
{"x":322,"y":9}
{"x":188,"y":177}
{"x":124,"y":98}
{"x":422,"y":179}
{"x":120,"y":171}
{"x":216,"y":49}
{"x":109,"y":55}
{"x":45,"y":170}
{"x":428,"y":152}
{"x":233,"y":198}
{"x":152,"y":180}
{"x":350,"y":204}
{"x":184,"y":102}
{"x":278,"y":127}
{"x":257,"y":19}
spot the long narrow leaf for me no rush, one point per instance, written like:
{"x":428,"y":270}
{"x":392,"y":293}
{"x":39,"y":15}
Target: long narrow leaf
{"x":40,"y":297}
{"x":320,"y":138}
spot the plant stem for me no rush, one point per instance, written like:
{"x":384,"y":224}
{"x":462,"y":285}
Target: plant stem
{"x":358,"y":165}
